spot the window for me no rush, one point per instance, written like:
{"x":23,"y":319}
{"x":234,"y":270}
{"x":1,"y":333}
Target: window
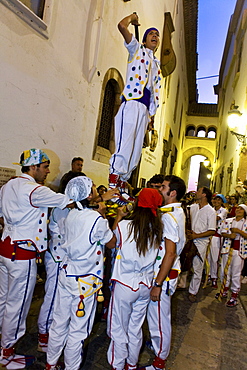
{"x":37,"y":6}
{"x":32,"y":12}
{"x":110,"y":102}
{"x":211,"y":133}
{"x":201,"y":132}
{"x":190,"y":131}
{"x":107,"y":117}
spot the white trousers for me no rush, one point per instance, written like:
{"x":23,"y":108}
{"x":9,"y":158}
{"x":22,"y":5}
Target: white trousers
{"x":159,"y":324}
{"x":126,"y":315}
{"x":198,"y":269}
{"x":234,"y":271}
{"x":46,"y":310}
{"x":214,"y":254}
{"x":17,"y":282}
{"x":131,"y":124}
{"x":67,"y":330}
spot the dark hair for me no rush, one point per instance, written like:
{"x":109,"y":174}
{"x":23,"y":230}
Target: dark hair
{"x":235,"y":196}
{"x":158,"y":178}
{"x":176,"y":183}
{"x":77,"y":159}
{"x":101,"y":186}
{"x":208,"y":193}
{"x":69,"y":176}
{"x":146,"y":228}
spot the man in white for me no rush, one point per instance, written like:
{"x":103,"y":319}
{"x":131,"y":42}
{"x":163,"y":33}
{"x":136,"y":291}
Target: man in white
{"x":167,"y":268}
{"x":203,"y":223}
{"x":23,"y":206}
{"x":215,"y":246}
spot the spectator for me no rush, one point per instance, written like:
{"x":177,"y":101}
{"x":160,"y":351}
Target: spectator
{"x":76,"y":167}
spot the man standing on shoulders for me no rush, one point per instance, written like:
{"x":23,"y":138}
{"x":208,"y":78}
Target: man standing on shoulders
{"x":23,"y":205}
{"x":140,"y":100}
{"x":167,"y":268}
{"x":203,"y":224}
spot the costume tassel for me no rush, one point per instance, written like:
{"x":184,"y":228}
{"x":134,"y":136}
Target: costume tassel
{"x":100,"y":297}
{"x":80,"y":311}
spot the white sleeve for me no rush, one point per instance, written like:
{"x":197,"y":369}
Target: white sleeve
{"x":212,"y":220}
{"x":170,"y":230}
{"x":132,"y":47}
{"x":101,"y":231}
{"x":42,"y":196}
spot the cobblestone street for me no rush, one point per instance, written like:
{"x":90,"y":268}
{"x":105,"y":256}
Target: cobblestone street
{"x":206,"y":335}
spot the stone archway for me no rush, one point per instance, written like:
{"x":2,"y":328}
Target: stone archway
{"x":196,"y":151}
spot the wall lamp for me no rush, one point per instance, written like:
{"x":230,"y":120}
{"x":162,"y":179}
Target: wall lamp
{"x":233,"y":121}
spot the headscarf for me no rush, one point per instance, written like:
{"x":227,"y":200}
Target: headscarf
{"x":150,"y":198}
{"x":147,"y":32}
{"x":79,"y":188}
{"x":33,"y":157}
{"x":244,"y":207}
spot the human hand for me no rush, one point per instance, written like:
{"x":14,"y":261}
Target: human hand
{"x":109,"y":194}
{"x":155,"y":293}
{"x":102,"y":208}
{"x":135,"y":19}
{"x":235,"y":230}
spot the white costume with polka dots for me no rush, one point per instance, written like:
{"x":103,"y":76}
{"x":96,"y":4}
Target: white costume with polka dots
{"x":132,"y":276}
{"x":215,"y":244}
{"x":53,"y":258}
{"x":86,"y":233}
{"x":24,"y":205}
{"x":159,"y":312}
{"x":141,"y":100}
{"x":238,"y":256}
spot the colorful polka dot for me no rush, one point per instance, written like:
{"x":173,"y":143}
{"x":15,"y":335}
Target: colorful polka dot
{"x":130,"y":95}
{"x":158,"y":258}
{"x":98,"y":272}
{"x":128,"y":86}
{"x":99,"y":252}
{"x":118,"y":257}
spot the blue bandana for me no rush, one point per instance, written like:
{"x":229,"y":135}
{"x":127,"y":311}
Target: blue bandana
{"x":147,"y":32}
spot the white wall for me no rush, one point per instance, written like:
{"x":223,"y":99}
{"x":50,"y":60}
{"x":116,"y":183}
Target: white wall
{"x":50,"y":90}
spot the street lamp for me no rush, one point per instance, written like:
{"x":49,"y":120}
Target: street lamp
{"x":233,"y":121}
{"x":206,"y":162}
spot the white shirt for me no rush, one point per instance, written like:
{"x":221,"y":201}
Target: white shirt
{"x":86,"y":233}
{"x":202,"y":219}
{"x":130,"y":268}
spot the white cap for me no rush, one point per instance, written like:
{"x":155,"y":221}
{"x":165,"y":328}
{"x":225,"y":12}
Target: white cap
{"x":244,"y":207}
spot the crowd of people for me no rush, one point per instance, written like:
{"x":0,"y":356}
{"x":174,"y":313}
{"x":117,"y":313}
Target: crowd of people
{"x":146,"y":242}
